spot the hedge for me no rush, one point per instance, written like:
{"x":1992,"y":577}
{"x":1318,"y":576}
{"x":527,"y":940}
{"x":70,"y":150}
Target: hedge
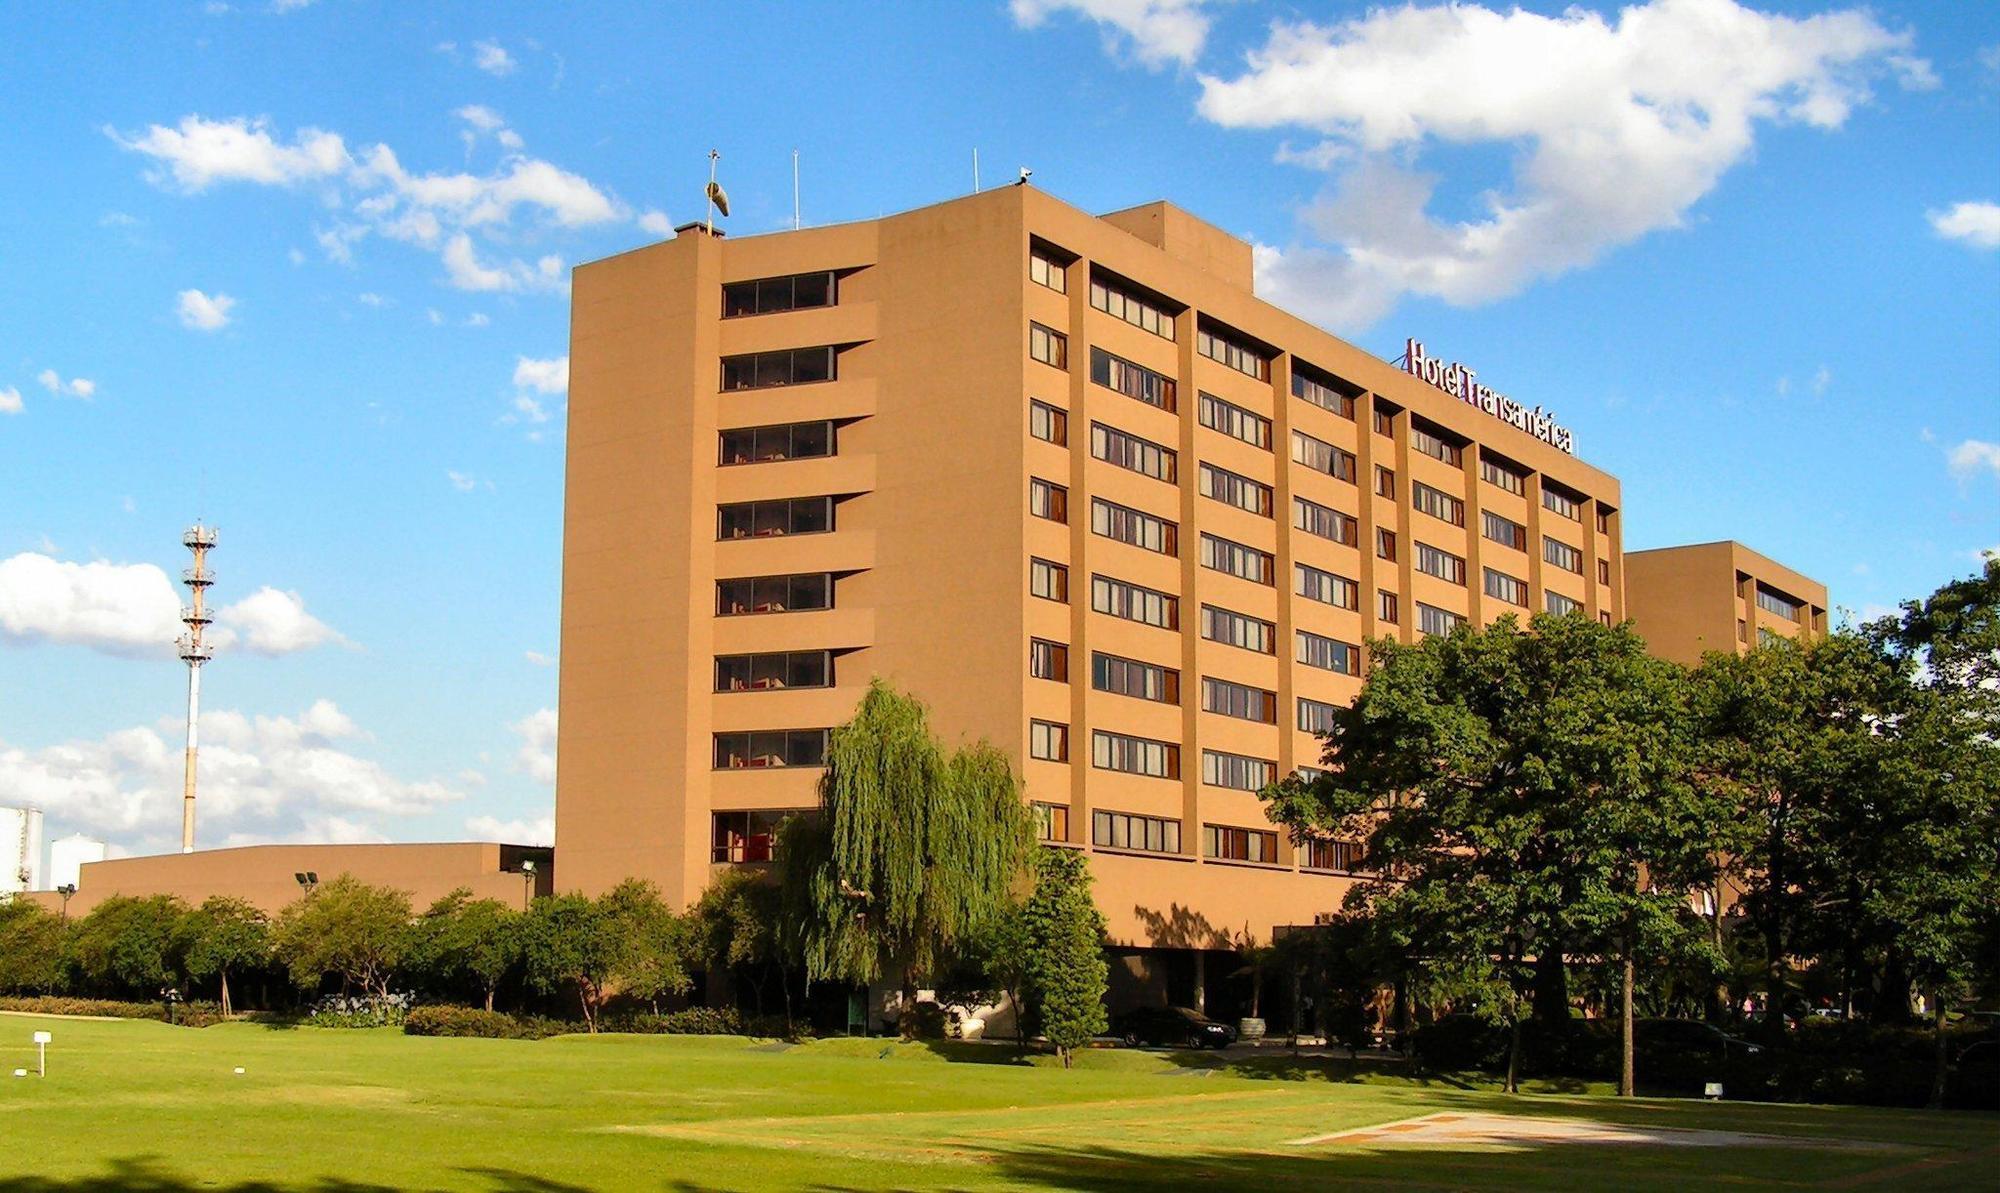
{"x":448,"y":1020}
{"x":191,"y":1014}
{"x":444,"y":1020}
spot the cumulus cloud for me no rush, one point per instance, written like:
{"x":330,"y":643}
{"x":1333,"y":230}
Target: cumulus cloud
{"x":549,"y":376}
{"x":537,"y":755}
{"x":493,"y":58}
{"x":272,"y":622}
{"x":1974,"y":458}
{"x":262,"y":778}
{"x":1618,"y":128}
{"x":203,"y":312}
{"x":10,"y":401}
{"x":1976,"y":224}
{"x":197,"y":153}
{"x":75,"y":387}
{"x":133,"y":610}
{"x":656,"y":223}
{"x":540,"y":830}
{"x":1156,"y":31}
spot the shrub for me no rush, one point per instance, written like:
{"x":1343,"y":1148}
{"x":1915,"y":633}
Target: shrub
{"x":774,"y":1027}
{"x":335,"y":1010}
{"x":191,"y":1014}
{"x":471,"y":1022}
{"x":694,"y":1021}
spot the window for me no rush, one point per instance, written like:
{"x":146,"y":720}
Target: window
{"x":1766,"y":637}
{"x":1385,"y":544}
{"x":746,"y":836}
{"x":1120,"y":303}
{"x":1128,"y":525}
{"x":774,"y":594}
{"x":1317,"y":716}
{"x":1051,"y":821}
{"x":1048,"y":741}
{"x":1562,"y":503}
{"x":1493,"y":472}
{"x":1134,"y":603}
{"x":1604,"y":617}
{"x":1048,"y":345}
{"x":1135,"y":756}
{"x":768,"y":296}
{"x":1329,"y":654}
{"x":1437,"y":503}
{"x":1134,"y":381}
{"x":1604,"y":571}
{"x":1233,"y":420}
{"x":1122,"y":830}
{"x":1048,"y":660}
{"x":1385,"y":482}
{"x":1047,"y":580}
{"x":783,"y":669}
{"x":1047,"y":500}
{"x":1327,"y":588}
{"x":1130,"y":677}
{"x":1324,"y":521}
{"x":1603,"y":520}
{"x":1771,"y":601}
{"x":770,"y":748}
{"x":1322,"y":394}
{"x":1240,"y":491}
{"x":1045,"y":270}
{"x":1237,"y":629}
{"x":1224,"y":350}
{"x":1443,"y":564}
{"x":1321,"y":456}
{"x":770,"y":519}
{"x":1433,"y":620}
{"x":1324,"y":853}
{"x":1246,"y":563}
{"x":1237,"y":771}
{"x":1563,"y":555}
{"x":787,"y":366}
{"x":1385,"y":419}
{"x":1559,"y":604}
{"x":1505,"y":531}
{"x":1432,"y":444}
{"x":1388,"y":608}
{"x":1048,"y":423}
{"x":1142,"y":456}
{"x":1238,"y":700}
{"x":1226,"y":844}
{"x":790,"y":441}
{"x":1742,"y":630}
{"x":1502,"y":586}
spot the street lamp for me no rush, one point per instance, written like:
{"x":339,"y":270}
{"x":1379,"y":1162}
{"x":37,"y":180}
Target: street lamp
{"x":307,"y":880}
{"x":527,"y":882}
{"x":66,"y":890}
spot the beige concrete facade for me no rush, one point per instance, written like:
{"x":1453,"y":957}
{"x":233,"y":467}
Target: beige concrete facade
{"x":1687,"y":601}
{"x":933,"y":542}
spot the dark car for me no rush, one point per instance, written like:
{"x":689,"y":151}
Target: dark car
{"x":1172,"y":1027}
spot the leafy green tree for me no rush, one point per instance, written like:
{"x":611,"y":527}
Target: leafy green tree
{"x":128,"y":945}
{"x":222,"y":936}
{"x":735,"y":926}
{"x":913,"y":851}
{"x":465,"y":942}
{"x":32,"y":943}
{"x":567,"y":945}
{"x":1064,"y":932}
{"x":650,"y":941}
{"x":344,"y":927}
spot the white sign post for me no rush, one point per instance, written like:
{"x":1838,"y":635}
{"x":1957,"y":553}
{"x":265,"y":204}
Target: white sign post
{"x":42,"y":1039}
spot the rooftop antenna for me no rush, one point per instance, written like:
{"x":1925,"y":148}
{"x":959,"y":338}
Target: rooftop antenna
{"x":795,"y":190}
{"x":194,"y":652}
{"x":718,"y":199}
{"x":975,"y":169}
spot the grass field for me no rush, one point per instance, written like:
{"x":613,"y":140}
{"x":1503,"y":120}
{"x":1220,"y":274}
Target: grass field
{"x":146,"y":1107}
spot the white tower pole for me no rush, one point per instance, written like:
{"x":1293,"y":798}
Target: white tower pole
{"x":194,"y":652}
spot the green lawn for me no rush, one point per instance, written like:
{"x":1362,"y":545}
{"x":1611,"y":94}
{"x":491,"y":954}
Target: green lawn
{"x":143,"y":1106}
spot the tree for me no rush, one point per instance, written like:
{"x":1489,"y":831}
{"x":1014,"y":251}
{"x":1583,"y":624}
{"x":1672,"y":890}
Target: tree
{"x":222,"y":935}
{"x":344,"y":927}
{"x":650,"y":942}
{"x":1064,"y":932}
{"x":912,"y":852}
{"x":1513,"y":785}
{"x":567,"y":945}
{"x":461,"y":941}
{"x":129,"y":945}
{"x":32,"y":942}
{"x":735,"y":927}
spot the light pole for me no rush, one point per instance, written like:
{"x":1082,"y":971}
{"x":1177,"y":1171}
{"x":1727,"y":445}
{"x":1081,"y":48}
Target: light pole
{"x":308,"y":880}
{"x":527,"y":882}
{"x":66,"y":890}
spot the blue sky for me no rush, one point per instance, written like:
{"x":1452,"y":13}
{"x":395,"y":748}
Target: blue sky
{"x":1750,"y":255}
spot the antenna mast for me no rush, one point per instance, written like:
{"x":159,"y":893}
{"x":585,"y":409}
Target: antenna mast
{"x":795,"y":190}
{"x":194,"y":652}
{"x":713,"y":157}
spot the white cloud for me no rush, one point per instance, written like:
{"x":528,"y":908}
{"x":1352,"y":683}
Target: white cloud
{"x":1617,"y":130}
{"x":477,"y":319}
{"x":262,"y":778}
{"x":273,"y":622}
{"x":538,"y":658}
{"x":1821,"y":380}
{"x":283,"y":6}
{"x":1974,"y":457}
{"x":481,"y":117}
{"x":200,"y":152}
{"x":1159,"y":31}
{"x":463,"y":482}
{"x":490,"y":57}
{"x":550,"y":376}
{"x":656,"y":222}
{"x":75,"y":387}
{"x":465,"y":271}
{"x":202,"y":312}
{"x":527,"y":409}
{"x":1976,"y":224}
{"x":370,"y":299}
{"x":10,"y":400}
{"x":539,"y":831}
{"x":122,"y":609}
{"x":537,"y":755}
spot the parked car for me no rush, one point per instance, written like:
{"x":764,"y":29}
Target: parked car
{"x":1173,"y":1027}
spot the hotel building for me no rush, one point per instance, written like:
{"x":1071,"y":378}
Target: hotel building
{"x":1687,"y":601}
{"x":1063,"y":477}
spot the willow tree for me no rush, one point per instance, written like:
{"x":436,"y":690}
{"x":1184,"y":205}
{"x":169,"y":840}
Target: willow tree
{"x":914,"y":848}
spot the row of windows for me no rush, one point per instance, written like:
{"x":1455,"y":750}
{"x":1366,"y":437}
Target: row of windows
{"x":1328,"y":654}
{"x":1237,"y":629}
{"x":1496,"y":473}
{"x":1238,"y":700}
{"x":1432,"y":444}
{"x":767,"y":296}
{"x":1120,"y":303}
{"x":1327,"y":588}
{"x":1563,"y":555}
{"x":778,"y":516}
{"x":1317,"y":716}
{"x":1562,"y":503}
{"x":1505,"y":531}
{"x":1320,"y":394}
{"x":774,"y":594}
{"x":1123,"y":830}
{"x":1224,"y":350}
{"x":786,"y":366}
{"x":1127,"y":525}
{"x":1559,"y":604}
{"x":1134,"y":602}
{"x":1238,"y":844}
{"x":1324,"y":521}
{"x":1231,"y":489}
{"x":1048,"y":423}
{"x":1045,"y":270}
{"x":1321,"y":456}
{"x":1135,"y":756}
{"x":1246,"y":563}
{"x":1047,"y":499}
{"x":1132,"y":380}
{"x":1510,"y":589}
{"x":1433,"y":620}
{"x":1233,"y":420}
{"x":750,"y":836}
{"x":780,"y":669}
{"x":770,"y":748}
{"x":1432,"y":561}
{"x":1130,"y":677}
{"x":786,"y":441}
{"x":1048,"y":345}
{"x":1437,"y":503}
{"x":1048,"y":580}
{"x":1129,"y":451}
{"x":1772,"y":602}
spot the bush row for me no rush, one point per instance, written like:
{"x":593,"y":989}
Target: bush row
{"x":192,"y":1014}
{"x":448,"y":1020}
{"x":473,"y":1023}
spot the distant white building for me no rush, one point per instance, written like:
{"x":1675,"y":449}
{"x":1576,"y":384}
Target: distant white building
{"x":20,"y":850}
{"x":67,"y":856}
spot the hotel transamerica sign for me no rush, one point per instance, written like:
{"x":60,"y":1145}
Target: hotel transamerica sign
{"x":1462,"y":383}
